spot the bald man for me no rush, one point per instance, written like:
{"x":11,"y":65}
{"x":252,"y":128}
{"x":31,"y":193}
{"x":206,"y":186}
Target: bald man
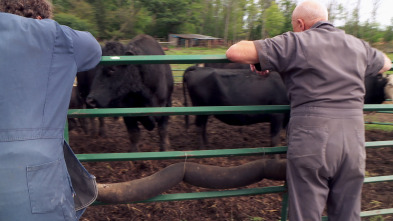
{"x":324,"y":70}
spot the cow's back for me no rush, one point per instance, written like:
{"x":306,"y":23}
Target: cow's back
{"x":235,"y":87}
{"x":227,"y":65}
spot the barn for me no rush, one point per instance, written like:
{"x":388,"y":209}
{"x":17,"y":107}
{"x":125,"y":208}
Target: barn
{"x":194,"y":40}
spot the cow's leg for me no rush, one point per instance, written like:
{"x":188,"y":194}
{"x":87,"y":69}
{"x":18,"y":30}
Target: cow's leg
{"x":163,"y":133}
{"x":276,"y":124}
{"x":133,"y":132}
{"x":101,"y":131}
{"x":93,"y":126}
{"x":201,"y":122}
{"x":83,"y":122}
{"x":72,"y":124}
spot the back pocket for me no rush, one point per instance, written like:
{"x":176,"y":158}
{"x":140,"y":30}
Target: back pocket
{"x":46,"y":186}
{"x":307,"y":146}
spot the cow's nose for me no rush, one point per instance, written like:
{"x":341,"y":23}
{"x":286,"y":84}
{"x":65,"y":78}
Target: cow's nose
{"x":90,"y":101}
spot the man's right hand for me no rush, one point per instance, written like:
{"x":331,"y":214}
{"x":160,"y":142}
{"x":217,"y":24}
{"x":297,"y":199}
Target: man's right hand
{"x":257,"y":69}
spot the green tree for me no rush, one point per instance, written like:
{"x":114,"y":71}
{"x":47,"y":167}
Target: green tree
{"x":388,"y":35}
{"x":100,"y":16}
{"x":352,"y":25}
{"x":237,"y":31}
{"x":218,"y":18}
{"x":287,"y":7}
{"x":229,"y":19}
{"x":208,"y":18}
{"x":126,"y":19}
{"x":194,"y":18}
{"x":169,"y":16}
{"x":61,"y":5}
{"x":265,"y":4}
{"x":74,"y":22}
{"x":252,"y":20}
{"x":275,"y":20}
{"x":370,"y":32}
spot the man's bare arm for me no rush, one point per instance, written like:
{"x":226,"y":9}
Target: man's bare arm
{"x":243,"y":52}
{"x":387,"y":65}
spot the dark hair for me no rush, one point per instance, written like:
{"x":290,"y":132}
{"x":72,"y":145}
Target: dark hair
{"x":27,"y":8}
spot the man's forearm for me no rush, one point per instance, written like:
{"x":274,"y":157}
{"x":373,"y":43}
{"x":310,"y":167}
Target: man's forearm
{"x":243,"y":52}
{"x":387,"y":64}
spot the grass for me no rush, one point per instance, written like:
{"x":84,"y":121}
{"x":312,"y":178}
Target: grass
{"x":377,"y":218}
{"x":195,"y":51}
{"x":385,"y":128}
{"x":178,"y":69}
{"x":385,"y":121}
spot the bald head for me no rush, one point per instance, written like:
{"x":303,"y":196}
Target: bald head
{"x":307,"y":13}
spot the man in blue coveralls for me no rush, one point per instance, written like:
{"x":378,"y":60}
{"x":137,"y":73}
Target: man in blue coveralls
{"x":38,"y":62}
{"x":323,"y":69}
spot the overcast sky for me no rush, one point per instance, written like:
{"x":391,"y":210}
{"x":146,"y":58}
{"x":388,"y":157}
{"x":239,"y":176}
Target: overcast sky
{"x":384,"y":13}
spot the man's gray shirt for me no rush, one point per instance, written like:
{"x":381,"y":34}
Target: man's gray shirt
{"x":322,"y":66}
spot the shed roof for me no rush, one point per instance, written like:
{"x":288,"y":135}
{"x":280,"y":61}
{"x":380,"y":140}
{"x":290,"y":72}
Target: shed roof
{"x":194,"y":36}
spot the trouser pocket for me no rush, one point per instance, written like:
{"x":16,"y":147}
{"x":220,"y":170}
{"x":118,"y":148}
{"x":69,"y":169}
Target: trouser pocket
{"x":307,"y":146}
{"x":46,"y":186}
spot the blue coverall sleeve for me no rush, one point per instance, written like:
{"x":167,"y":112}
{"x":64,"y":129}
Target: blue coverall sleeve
{"x":87,"y":50}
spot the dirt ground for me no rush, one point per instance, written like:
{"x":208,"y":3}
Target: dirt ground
{"x":250,"y":208}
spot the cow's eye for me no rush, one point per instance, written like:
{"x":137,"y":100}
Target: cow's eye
{"x":110,"y":70}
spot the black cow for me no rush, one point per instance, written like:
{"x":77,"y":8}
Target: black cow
{"x":76,"y":102}
{"x":375,"y":89}
{"x":84,"y":82}
{"x":145,"y":85}
{"x":236,"y":87}
{"x":389,"y":87}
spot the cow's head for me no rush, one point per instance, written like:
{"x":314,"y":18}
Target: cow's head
{"x":112,"y":82}
{"x":389,"y":87}
{"x":375,"y":85}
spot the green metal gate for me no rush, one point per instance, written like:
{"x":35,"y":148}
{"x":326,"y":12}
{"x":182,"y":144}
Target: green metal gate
{"x":192,"y":59}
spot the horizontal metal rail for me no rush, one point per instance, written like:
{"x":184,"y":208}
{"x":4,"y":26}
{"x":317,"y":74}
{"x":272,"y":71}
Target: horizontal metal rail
{"x":163,"y":59}
{"x":379,"y":123}
{"x":363,"y":214}
{"x":100,"y":157}
{"x":206,"y":110}
{"x":166,"y":59}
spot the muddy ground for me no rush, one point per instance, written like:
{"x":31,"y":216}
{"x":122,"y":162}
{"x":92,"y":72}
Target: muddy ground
{"x":250,"y":208}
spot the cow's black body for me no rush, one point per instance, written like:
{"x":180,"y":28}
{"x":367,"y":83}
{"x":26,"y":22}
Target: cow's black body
{"x":227,"y":65}
{"x":236,"y":87}
{"x":145,"y":85}
{"x":76,"y":102}
{"x":84,"y":83}
{"x":375,"y":89}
